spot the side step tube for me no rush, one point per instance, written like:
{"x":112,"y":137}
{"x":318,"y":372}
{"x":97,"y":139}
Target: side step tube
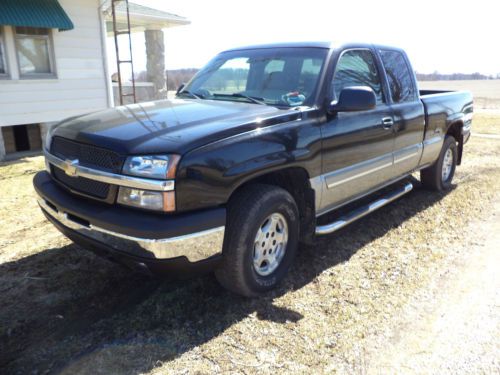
{"x":363,"y":211}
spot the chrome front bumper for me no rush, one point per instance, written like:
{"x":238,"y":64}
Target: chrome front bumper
{"x":195,"y":246}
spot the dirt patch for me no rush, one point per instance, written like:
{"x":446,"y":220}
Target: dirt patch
{"x":454,"y":326}
{"x":65,"y":310}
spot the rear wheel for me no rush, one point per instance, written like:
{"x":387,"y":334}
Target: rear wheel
{"x":261,"y":239}
{"x":439,"y":176}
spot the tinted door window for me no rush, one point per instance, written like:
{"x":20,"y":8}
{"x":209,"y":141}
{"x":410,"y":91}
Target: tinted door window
{"x":357,"y":68}
{"x":399,"y":76}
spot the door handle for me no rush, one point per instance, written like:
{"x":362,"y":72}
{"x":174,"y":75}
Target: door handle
{"x":387,"y":122}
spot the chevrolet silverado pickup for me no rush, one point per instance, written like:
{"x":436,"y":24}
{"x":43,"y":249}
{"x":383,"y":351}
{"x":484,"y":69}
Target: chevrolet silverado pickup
{"x":248,"y":158}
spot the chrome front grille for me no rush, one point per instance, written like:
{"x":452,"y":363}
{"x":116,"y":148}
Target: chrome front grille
{"x":87,"y":156}
{"x":82,"y":185}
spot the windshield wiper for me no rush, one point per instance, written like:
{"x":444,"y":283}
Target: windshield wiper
{"x":253,"y":99}
{"x":191,"y":94}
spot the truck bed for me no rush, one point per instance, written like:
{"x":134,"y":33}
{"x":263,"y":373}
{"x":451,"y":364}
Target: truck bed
{"x":443,"y":108}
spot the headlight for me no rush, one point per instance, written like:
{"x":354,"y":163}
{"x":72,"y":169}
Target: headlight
{"x":151,"y":200}
{"x":152,"y":166}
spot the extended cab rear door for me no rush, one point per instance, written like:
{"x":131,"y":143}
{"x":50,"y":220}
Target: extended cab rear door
{"x":407,"y":110}
{"x":357,"y":146}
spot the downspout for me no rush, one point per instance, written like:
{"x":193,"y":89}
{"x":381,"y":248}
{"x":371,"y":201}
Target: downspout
{"x":107,"y":77}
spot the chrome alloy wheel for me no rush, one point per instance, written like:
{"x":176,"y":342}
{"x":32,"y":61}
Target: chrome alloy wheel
{"x":270,"y":244}
{"x":447,"y":165}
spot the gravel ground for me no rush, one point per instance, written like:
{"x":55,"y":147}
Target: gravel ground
{"x":410,"y":288}
{"x":453,"y":327}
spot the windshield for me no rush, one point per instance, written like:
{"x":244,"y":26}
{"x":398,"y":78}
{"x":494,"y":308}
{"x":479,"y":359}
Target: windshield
{"x":280,"y":76}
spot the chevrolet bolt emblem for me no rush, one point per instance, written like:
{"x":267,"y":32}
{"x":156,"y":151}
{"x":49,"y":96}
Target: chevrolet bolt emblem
{"x":70,"y":167}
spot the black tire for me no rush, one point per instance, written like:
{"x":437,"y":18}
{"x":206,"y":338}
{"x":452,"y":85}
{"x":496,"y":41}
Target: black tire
{"x":432,"y":177}
{"x":247,"y":211}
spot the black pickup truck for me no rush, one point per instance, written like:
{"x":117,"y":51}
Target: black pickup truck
{"x":243,"y":165}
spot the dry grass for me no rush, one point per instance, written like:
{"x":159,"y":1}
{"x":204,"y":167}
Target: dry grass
{"x":63,"y":309}
{"x":486,"y":123}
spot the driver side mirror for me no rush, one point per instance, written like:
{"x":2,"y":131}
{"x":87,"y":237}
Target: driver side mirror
{"x":355,"y":98}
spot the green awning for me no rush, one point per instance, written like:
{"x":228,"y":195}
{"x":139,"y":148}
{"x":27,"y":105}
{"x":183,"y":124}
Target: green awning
{"x":34,"y":13}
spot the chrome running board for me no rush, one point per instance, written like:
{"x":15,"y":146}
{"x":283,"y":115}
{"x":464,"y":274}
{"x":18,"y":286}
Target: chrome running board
{"x":363,"y":211}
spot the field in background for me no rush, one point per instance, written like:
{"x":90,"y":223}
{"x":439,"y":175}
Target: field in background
{"x":486,"y":92}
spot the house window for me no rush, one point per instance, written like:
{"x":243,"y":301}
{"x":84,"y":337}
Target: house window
{"x":34,"y":51}
{"x":3,"y":63}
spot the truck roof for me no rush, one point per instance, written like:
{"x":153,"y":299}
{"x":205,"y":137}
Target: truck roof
{"x":317,"y":44}
{"x":313,"y":44}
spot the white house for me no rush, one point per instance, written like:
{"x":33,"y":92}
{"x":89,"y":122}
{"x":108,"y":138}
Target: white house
{"x":53,"y":62}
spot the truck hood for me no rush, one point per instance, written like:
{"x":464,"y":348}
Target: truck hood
{"x":169,"y":126}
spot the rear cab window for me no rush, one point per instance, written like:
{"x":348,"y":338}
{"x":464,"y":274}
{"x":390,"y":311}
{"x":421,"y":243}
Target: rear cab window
{"x":399,"y":76}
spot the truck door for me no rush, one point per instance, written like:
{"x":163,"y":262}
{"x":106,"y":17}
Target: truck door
{"x":407,"y":109}
{"x":357,"y":146}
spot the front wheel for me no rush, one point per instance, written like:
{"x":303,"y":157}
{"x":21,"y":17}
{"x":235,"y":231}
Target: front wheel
{"x":439,"y":176}
{"x":261,"y":239}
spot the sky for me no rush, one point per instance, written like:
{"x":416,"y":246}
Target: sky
{"x":439,"y":35}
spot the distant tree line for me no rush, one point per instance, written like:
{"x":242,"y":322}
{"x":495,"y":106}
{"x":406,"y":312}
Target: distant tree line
{"x":218,"y":81}
{"x":177,"y":77}
{"x":174,"y":77}
{"x":436,"y":76}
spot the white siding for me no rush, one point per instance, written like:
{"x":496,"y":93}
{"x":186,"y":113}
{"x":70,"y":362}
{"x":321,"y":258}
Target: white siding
{"x":80,"y":85}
